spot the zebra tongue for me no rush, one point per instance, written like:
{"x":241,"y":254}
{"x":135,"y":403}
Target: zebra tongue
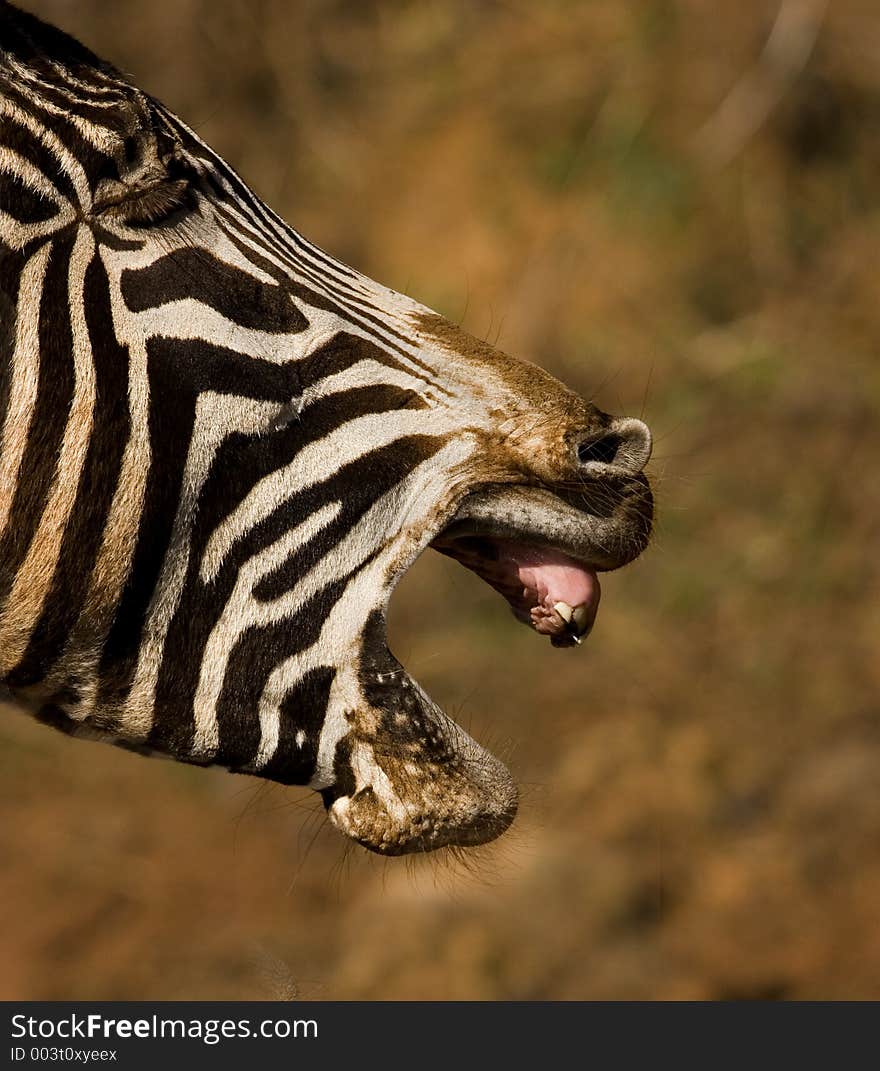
{"x":561,"y":593}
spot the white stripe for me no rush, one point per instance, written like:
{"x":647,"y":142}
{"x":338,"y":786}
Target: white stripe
{"x":344,"y":444}
{"x":34,"y":579}
{"x":23,"y":380}
{"x":32,"y":177}
{"x":188,"y":319}
{"x":340,"y":636}
{"x":67,"y":161}
{"x":216,"y":417}
{"x":240,"y":612}
{"x":122,"y":524}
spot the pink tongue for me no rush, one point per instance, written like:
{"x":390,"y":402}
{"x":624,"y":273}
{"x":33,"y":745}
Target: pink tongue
{"x":535,"y":581}
{"x":552,"y":576}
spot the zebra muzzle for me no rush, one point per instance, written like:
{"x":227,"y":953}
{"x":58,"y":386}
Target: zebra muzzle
{"x":394,"y":801}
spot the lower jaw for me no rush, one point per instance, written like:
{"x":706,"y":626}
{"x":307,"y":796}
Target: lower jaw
{"x":426,"y":835}
{"x":422,"y":802}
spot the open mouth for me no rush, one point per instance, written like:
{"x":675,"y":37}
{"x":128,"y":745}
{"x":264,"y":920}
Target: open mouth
{"x":546,"y":589}
{"x":543,"y":553}
{"x":410,"y":779}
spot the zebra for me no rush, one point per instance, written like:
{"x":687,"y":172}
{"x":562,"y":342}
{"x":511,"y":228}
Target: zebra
{"x":222,"y":448}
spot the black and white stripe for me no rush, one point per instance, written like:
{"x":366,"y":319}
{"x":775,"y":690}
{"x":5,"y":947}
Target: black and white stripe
{"x":220,"y":450}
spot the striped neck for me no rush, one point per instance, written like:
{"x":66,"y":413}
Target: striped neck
{"x":221,"y":449}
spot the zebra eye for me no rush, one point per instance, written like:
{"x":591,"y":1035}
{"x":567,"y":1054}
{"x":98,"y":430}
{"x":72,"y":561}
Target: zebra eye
{"x":602,"y":449}
{"x":152,"y":206}
{"x":158,"y":196}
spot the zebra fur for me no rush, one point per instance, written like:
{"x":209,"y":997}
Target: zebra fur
{"x":221,"y":449}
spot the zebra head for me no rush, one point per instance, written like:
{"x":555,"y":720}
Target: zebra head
{"x":221,"y":450}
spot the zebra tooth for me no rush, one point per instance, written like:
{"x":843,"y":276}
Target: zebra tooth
{"x":580,"y":617}
{"x":564,"y":611}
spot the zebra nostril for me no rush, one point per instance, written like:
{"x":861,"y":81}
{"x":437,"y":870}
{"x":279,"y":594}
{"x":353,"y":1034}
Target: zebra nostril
{"x":604,"y":450}
{"x":625,"y":446}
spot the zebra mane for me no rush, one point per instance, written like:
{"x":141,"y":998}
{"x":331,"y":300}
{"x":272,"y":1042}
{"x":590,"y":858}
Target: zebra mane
{"x":36,"y":43}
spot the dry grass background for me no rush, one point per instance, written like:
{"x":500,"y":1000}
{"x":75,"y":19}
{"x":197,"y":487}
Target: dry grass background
{"x":702,"y":809}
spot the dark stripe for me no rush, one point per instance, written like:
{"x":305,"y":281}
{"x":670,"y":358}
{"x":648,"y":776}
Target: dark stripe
{"x":354,"y":308}
{"x":332,"y":301}
{"x":96,"y":165}
{"x":178,"y":372}
{"x":357,"y":486}
{"x":343,"y":351}
{"x":97,"y":485}
{"x":54,"y":396}
{"x":336,"y":290}
{"x":115,"y":120}
{"x":240,"y":463}
{"x":197,"y":274}
{"x":170,"y":430}
{"x":252,"y":660}
{"x":75,"y":83}
{"x":292,"y":254}
{"x":30,"y":147}
{"x":189,"y":367}
{"x":321,"y":301}
{"x":245,"y":204}
{"x":275,"y":228}
{"x":303,"y":709}
{"x":23,"y":203}
{"x":113,"y":241}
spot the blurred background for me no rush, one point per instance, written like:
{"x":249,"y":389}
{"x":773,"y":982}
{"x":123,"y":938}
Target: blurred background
{"x":674,"y":205}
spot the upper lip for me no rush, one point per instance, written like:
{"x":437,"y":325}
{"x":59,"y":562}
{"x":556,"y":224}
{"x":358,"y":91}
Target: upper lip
{"x":603,"y":527}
